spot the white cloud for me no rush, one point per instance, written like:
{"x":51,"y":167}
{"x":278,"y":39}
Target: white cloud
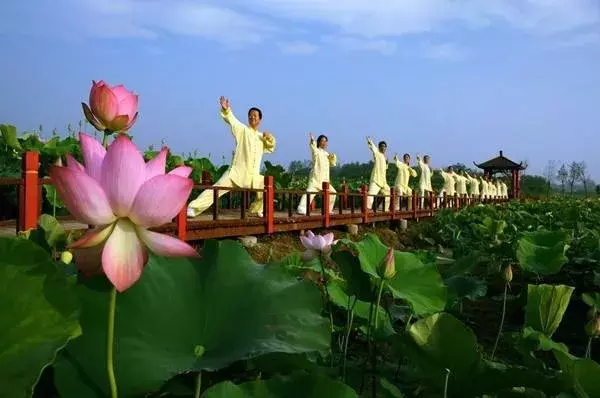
{"x":298,"y":47}
{"x":580,"y":40}
{"x":444,"y":52}
{"x":346,"y":43}
{"x":371,"y":23}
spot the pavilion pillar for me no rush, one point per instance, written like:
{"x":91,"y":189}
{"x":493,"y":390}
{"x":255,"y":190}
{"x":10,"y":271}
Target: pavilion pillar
{"x":515,"y":184}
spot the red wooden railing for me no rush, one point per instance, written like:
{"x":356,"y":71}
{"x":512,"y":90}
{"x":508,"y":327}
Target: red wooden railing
{"x":30,"y":188}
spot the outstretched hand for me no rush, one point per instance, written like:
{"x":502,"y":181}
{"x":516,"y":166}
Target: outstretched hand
{"x":224,"y":102}
{"x":312,"y":137}
{"x":267,"y":136}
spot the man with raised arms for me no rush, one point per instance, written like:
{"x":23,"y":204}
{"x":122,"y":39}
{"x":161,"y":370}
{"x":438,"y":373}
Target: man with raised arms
{"x":244,"y":171}
{"x":485,"y":188}
{"x":378,"y":183}
{"x":461,"y":183}
{"x":473,"y":186}
{"x":449,"y":187}
{"x":425,"y":178}
{"x":402,"y":178}
{"x":321,"y":161}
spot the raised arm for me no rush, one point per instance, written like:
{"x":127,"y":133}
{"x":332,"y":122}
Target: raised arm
{"x":313,"y":145}
{"x":397,"y":161}
{"x":237,"y":127}
{"x":372,"y":146}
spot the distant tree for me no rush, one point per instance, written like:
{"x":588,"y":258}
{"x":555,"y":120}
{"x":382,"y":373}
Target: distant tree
{"x":532,"y":185}
{"x":583,"y":175}
{"x":549,"y":174}
{"x":574,"y":174}
{"x":563,"y":177}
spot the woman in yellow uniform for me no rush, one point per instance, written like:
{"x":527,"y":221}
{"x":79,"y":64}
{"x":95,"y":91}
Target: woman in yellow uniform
{"x":378,"y":182}
{"x":405,"y":172}
{"x":321,"y":161}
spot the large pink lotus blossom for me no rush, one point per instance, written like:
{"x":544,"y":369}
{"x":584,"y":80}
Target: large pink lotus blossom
{"x":111,"y":108}
{"x":122,"y":196}
{"x":316,"y":244}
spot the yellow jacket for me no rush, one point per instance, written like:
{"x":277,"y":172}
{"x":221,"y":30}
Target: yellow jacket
{"x":473,"y":185}
{"x":449,"y":182}
{"x":425,"y":179}
{"x":250,"y":145}
{"x":404,"y":174}
{"x":378,"y":174}
{"x":484,"y":187}
{"x":461,"y":184}
{"x":322,"y":160}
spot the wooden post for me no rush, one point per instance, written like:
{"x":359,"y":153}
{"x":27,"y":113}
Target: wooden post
{"x":344,"y":196}
{"x":414,"y":204}
{"x":313,"y":205}
{"x":392,"y":208}
{"x":269,"y":209}
{"x":326,"y":202}
{"x":363,"y":206}
{"x":29,"y":193}
{"x":431,"y":206}
{"x":181,"y":223}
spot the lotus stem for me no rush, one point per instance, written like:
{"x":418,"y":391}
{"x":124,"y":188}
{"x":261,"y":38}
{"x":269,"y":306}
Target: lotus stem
{"x":105,"y":139}
{"x":112,"y":305}
{"x":501,"y":320}
{"x":348,"y":330}
{"x":379,"y":293}
{"x":198,"y":385}
{"x":588,"y":349}
{"x":446,"y":383}
{"x":54,"y":203}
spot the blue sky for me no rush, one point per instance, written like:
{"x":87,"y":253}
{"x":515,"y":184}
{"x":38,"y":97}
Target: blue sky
{"x":457,"y":79}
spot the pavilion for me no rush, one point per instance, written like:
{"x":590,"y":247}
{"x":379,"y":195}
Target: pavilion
{"x":501,"y":164}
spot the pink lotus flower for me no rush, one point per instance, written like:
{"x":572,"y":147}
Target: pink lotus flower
{"x":111,"y":109}
{"x":122,"y":196}
{"x":316,"y":244}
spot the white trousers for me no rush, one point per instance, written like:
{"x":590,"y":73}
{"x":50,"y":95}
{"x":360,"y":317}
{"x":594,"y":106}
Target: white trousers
{"x":313,"y":188}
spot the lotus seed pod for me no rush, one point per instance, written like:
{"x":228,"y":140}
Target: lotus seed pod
{"x":508,"y":273}
{"x":592,"y":328}
{"x":66,"y":257}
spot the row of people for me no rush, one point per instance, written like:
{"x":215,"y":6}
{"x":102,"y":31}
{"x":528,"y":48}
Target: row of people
{"x":461,"y":184}
{"x":251,"y":144}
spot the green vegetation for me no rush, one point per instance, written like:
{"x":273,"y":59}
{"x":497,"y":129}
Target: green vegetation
{"x":491,"y":301}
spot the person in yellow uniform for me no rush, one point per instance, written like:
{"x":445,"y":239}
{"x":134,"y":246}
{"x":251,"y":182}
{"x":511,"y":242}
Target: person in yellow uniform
{"x":474,"y":191}
{"x":461,"y":184}
{"x":491,"y":188}
{"x":504,"y":190}
{"x":425,"y":178}
{"x":449,"y":187}
{"x":485,"y":189}
{"x":321,"y":161}
{"x":405,"y":172}
{"x":244,"y":171}
{"x":499,"y":189}
{"x":378,"y":182}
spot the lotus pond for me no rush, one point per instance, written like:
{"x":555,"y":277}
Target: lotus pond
{"x":491,"y":301}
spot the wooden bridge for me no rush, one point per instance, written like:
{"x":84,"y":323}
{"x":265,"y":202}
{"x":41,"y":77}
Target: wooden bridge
{"x":229,"y":217}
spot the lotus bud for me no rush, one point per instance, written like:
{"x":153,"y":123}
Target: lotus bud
{"x":508,"y":273}
{"x":591,"y":313}
{"x":388,"y":265}
{"x":66,"y":257}
{"x":111,"y":109}
{"x":592,"y":328}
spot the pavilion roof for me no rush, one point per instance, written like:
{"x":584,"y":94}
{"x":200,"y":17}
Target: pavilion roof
{"x":500,"y":163}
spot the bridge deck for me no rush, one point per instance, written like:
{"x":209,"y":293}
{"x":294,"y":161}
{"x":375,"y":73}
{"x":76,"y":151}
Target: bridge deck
{"x":229,"y":223}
